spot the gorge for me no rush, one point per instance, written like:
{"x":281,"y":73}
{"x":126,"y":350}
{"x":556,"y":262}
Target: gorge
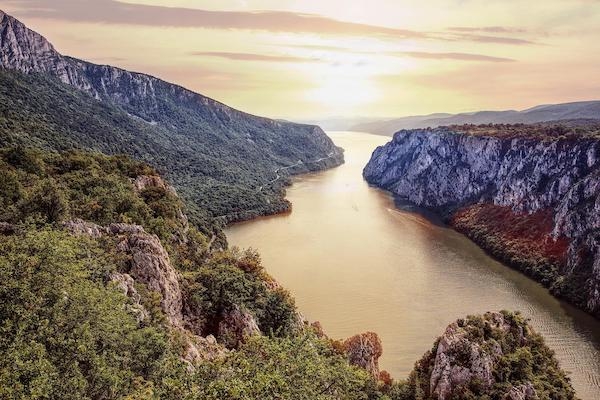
{"x":400,"y":271}
{"x":117,"y":280}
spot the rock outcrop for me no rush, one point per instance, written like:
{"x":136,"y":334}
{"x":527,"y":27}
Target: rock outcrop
{"x":494,"y":356}
{"x":201,"y":348}
{"x":149,"y":263}
{"x":364,"y":350}
{"x":459,"y":359}
{"x":235,"y":326}
{"x":541,"y":173}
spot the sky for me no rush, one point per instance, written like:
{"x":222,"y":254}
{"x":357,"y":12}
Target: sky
{"x":311,"y":59}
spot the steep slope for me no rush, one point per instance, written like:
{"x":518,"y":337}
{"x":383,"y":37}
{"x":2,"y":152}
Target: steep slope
{"x":543,"y":113}
{"x":528,"y":194}
{"x":203,"y":146}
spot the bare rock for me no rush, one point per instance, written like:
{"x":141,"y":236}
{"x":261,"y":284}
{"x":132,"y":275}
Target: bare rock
{"x":364,"y":350}
{"x":125,"y":283}
{"x":460,"y":359}
{"x":318,"y":329}
{"x":150,"y":264}
{"x":235,"y":326}
{"x":145,"y":181}
{"x":521,"y":392}
{"x":122,"y":229}
{"x":80,"y":227}
{"x":200,"y":349}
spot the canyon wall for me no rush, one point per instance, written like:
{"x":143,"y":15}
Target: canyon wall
{"x":527,"y":194}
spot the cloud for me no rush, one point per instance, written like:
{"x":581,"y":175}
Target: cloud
{"x":491,"y":39}
{"x":253,"y":56}
{"x":118,"y":12}
{"x":413,"y":54}
{"x":487,"y":29}
{"x":453,"y":56}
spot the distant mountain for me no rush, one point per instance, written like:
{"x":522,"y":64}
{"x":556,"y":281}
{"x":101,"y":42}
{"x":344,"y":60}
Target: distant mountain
{"x":339,"y":123}
{"x":220,"y":159}
{"x":543,"y":113}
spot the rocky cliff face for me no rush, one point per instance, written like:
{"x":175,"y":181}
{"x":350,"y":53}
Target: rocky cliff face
{"x":533,"y":176}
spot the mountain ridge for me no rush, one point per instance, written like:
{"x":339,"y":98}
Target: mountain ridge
{"x":206,"y":146}
{"x":588,"y":109}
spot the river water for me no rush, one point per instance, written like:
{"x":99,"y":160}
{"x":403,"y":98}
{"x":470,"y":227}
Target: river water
{"x":357,"y":263}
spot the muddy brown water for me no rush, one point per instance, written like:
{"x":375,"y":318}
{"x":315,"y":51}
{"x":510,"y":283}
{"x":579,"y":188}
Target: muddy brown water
{"x":355,"y":262}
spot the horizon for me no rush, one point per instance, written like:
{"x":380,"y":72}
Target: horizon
{"x":314,"y":61}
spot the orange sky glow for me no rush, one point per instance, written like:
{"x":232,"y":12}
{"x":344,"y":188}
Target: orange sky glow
{"x":313,"y":59}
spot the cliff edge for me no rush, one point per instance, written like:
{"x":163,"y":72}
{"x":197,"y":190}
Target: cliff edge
{"x":526,"y":193}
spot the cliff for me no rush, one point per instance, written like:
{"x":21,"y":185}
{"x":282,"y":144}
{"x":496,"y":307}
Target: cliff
{"x":528,"y":194}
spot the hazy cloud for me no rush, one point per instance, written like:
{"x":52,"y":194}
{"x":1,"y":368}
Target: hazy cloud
{"x":453,"y":56}
{"x":487,"y":29}
{"x":253,"y":56}
{"x":414,"y":54}
{"x":115,"y":12}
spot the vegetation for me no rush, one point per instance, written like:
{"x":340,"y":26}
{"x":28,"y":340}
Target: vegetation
{"x":524,"y":241}
{"x":560,"y":130}
{"x":67,"y":332}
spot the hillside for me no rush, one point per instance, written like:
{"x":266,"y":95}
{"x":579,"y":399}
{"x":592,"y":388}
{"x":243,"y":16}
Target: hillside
{"x":543,"y":113}
{"x":527,"y":194}
{"x":220,"y":159}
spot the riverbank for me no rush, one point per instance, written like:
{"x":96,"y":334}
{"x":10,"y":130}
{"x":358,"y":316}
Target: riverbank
{"x":356,"y":263}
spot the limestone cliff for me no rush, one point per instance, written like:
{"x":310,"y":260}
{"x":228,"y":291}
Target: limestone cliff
{"x":529,"y":194}
{"x":493,"y":356}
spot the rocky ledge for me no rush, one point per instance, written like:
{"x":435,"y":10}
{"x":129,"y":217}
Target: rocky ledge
{"x":526,"y":193}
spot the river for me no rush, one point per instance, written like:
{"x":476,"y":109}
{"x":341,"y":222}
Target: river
{"x":356,"y":263}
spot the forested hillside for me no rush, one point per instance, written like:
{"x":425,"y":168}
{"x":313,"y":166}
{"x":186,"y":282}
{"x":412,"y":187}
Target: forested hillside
{"x":220,"y":159}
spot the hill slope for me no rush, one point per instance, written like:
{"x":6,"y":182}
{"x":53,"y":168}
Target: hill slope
{"x":543,"y":113}
{"x":210,"y":152}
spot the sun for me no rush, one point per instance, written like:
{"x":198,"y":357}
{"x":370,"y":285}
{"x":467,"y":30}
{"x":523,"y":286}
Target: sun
{"x":342,"y":85}
{"x":343,"y":93}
